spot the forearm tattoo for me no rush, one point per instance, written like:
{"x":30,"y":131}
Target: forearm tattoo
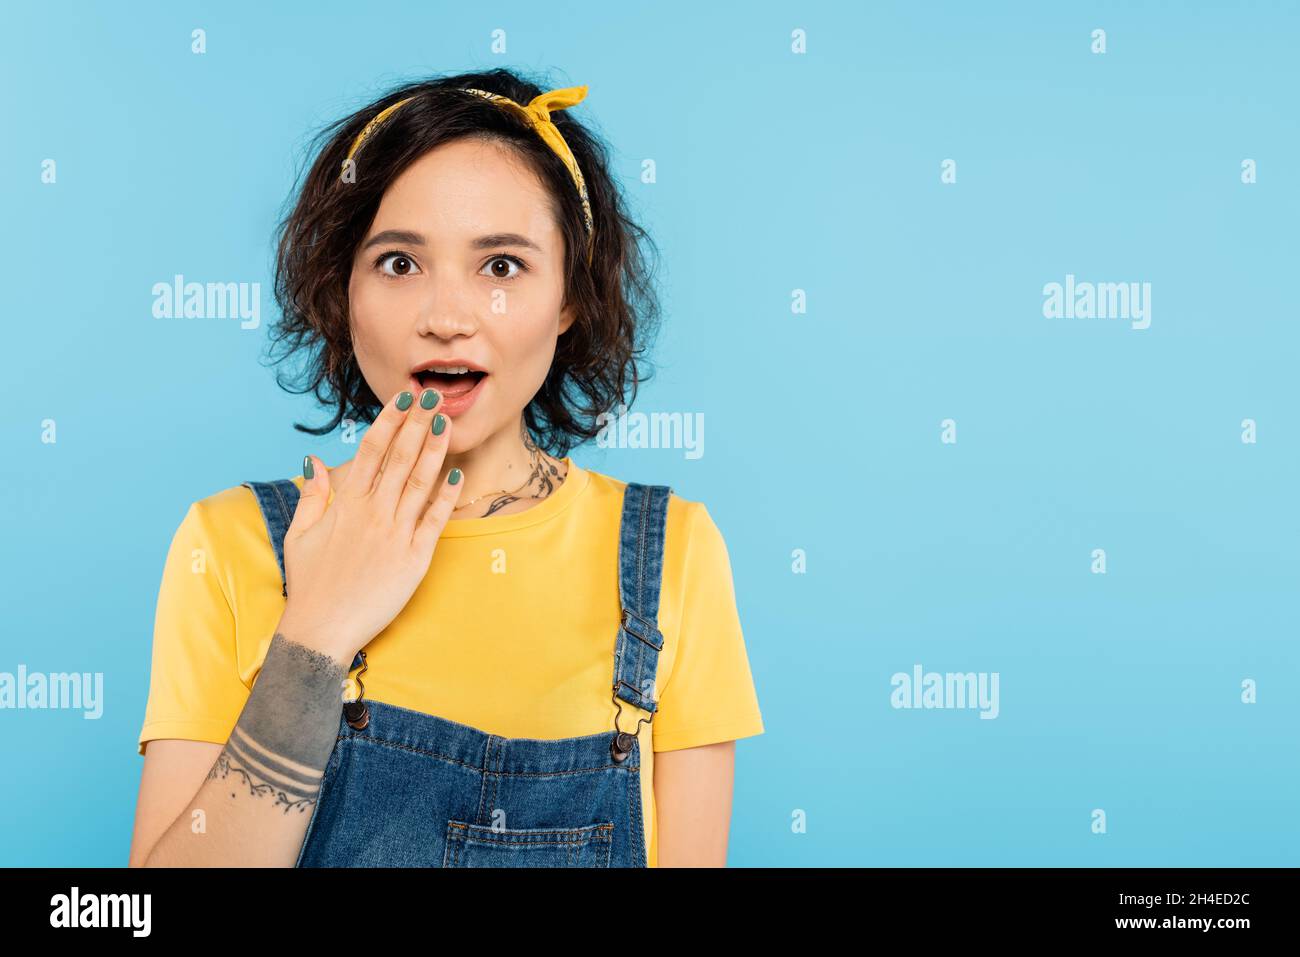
{"x":284,"y":737}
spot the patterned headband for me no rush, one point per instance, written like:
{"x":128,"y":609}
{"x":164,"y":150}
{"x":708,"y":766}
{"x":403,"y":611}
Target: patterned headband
{"x":538,"y":115}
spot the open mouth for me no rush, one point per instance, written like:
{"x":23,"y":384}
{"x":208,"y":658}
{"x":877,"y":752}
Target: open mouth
{"x":450,"y":383}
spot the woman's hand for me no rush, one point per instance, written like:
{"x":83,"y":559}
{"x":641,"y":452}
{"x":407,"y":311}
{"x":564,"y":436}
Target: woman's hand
{"x":352,"y":567}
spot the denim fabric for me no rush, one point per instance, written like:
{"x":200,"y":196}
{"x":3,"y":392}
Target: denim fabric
{"x":278,"y":501}
{"x":417,"y":790}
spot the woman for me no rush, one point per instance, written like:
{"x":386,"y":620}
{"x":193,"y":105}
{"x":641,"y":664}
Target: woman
{"x":458,"y":648}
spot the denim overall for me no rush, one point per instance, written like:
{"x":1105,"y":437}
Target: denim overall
{"x":409,"y":789}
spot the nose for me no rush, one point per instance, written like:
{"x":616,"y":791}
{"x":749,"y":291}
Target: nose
{"x":447,"y":310}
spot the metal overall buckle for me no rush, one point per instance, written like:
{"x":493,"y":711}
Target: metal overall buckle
{"x":357,"y":711}
{"x":621,"y":746}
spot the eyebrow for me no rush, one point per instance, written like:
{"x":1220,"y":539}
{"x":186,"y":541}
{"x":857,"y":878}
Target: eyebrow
{"x":482,"y":242}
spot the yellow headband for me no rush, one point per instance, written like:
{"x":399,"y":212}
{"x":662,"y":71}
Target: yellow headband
{"x":538,"y":115}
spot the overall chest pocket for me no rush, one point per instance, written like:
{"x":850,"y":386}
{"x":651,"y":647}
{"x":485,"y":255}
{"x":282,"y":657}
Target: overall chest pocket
{"x":479,"y":845}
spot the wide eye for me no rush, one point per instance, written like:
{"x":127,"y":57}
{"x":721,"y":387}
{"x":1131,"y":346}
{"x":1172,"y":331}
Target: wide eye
{"x":402,"y":265}
{"x":499,"y":267}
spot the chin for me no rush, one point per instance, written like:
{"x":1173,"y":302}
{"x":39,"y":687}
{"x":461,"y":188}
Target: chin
{"x":464,"y":437}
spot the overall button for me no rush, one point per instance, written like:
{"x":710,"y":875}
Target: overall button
{"x":357,"y":713}
{"x":621,"y":746}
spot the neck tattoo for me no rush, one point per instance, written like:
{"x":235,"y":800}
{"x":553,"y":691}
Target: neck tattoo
{"x":544,"y":477}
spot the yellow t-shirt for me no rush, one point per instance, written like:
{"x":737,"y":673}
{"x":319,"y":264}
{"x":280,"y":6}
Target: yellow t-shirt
{"x":512,"y":630}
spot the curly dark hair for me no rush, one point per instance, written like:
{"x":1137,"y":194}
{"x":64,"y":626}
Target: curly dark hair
{"x":616,"y":307}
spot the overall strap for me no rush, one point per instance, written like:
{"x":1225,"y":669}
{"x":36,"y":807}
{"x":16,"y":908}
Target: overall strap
{"x":640,"y":568}
{"x":278,"y":500}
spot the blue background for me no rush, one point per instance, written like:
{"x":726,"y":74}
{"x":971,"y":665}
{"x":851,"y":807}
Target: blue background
{"x":776,"y":172}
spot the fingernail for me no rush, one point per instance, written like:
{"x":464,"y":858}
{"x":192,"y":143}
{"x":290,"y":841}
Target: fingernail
{"x":453,"y":476}
{"x":308,"y":470}
{"x":439,"y":423}
{"x":428,"y":398}
{"x":404,"y":401}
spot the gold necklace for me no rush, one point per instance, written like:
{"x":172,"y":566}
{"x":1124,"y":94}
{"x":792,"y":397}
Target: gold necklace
{"x":507,"y":491}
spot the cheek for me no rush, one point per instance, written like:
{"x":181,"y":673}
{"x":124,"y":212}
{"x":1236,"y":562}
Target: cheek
{"x":538,"y":322}
{"x":367,"y":305}
{"x":362,"y":301}
{"x":532,"y":344}
{"x":370,"y":347}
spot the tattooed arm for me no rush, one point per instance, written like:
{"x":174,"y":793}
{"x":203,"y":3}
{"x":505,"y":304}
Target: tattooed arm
{"x":253,"y":807}
{"x":354,"y":554}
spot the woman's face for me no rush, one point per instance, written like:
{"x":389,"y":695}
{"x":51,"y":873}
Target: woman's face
{"x":464,"y":261}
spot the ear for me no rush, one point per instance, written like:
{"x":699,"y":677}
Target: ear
{"x":567,"y":315}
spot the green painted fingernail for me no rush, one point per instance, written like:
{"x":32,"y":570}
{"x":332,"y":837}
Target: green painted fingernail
{"x":404,"y":401}
{"x":439,"y":423}
{"x":453,"y":476}
{"x":428,"y":398}
{"x":308,"y":470}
